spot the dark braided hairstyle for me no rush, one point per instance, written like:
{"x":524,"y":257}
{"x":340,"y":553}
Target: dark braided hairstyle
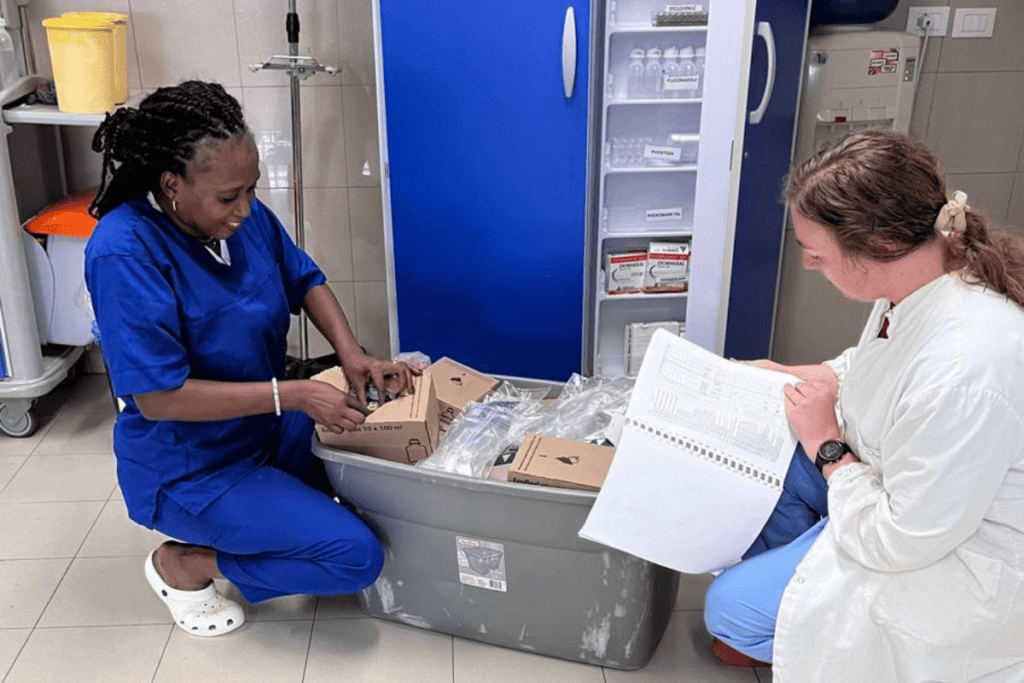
{"x":164,"y":134}
{"x":880,"y":193}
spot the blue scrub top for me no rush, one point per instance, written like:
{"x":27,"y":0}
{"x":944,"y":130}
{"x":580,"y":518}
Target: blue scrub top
{"x":167,"y":310}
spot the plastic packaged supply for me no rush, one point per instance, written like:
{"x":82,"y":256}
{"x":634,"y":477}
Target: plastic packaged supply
{"x":9,"y":70}
{"x":635,"y":78}
{"x":689,"y":80}
{"x":624,"y":273}
{"x":670,"y":71}
{"x":652,"y":74}
{"x":699,"y":57}
{"x":638,"y":338}
{"x":668,"y":267}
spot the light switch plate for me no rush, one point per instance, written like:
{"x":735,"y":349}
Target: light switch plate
{"x":938,"y":15}
{"x":974,"y":22}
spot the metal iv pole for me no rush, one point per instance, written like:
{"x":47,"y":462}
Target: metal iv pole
{"x":299,"y":68}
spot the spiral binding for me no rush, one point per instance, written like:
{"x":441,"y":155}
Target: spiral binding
{"x":713,"y":455}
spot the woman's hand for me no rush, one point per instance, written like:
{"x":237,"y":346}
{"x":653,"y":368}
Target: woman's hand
{"x":326,"y":404}
{"x":811,"y":408}
{"x":392,"y":377}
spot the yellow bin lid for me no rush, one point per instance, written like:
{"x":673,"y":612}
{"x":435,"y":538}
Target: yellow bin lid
{"x":115,"y":17}
{"x":79,"y":23}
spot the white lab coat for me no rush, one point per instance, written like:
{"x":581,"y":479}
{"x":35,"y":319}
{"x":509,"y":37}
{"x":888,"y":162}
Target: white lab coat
{"x":919,"y":573}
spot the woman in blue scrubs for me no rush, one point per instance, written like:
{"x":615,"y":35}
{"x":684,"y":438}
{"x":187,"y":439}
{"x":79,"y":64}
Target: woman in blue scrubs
{"x":193,"y":281}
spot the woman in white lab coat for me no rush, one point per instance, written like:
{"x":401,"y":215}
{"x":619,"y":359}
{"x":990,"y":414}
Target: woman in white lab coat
{"x":917,"y":572}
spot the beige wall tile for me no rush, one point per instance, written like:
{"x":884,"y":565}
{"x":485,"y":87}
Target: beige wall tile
{"x":355,"y":32}
{"x":323,"y":139}
{"x":988,"y":193}
{"x":361,"y":147}
{"x":261,"y":35}
{"x":1004,"y":51}
{"x":922,"y":107}
{"x":372,"y":314}
{"x":367,"y":216}
{"x":977,"y":121}
{"x":1015,"y":215}
{"x":318,"y":345}
{"x":177,"y":44}
{"x":328,"y":238}
{"x":326,"y":233}
{"x":268,"y":113}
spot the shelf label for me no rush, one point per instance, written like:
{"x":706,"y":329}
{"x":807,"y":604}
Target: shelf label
{"x":675,"y":82}
{"x":672,"y":214}
{"x":674,"y":154}
{"x":684,"y":8}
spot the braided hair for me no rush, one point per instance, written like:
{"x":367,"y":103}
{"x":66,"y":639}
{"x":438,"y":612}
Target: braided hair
{"x":165,"y":133}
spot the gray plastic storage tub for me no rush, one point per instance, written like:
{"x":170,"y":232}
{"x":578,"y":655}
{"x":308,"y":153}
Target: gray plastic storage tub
{"x":501,"y":563}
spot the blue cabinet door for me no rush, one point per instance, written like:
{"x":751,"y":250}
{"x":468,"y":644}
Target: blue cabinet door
{"x":488,"y":162}
{"x":767,"y":152}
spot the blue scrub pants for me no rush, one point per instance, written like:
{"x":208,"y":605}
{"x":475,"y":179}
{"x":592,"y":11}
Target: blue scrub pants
{"x":279,"y":530}
{"x":742,"y":604}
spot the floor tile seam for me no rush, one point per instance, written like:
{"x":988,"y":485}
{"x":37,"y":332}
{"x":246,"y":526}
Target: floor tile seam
{"x":309,"y":643}
{"x":15,"y":475}
{"x":5,"y":674}
{"x":156,"y":669}
{"x":92,"y":526}
{"x":52,"y":594}
{"x":63,"y":454}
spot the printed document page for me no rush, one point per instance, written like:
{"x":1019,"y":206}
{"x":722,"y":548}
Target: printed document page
{"x":701,"y":461}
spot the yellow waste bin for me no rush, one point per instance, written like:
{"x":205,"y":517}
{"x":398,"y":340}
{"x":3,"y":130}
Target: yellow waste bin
{"x":120,"y":22}
{"x":82,"y":56}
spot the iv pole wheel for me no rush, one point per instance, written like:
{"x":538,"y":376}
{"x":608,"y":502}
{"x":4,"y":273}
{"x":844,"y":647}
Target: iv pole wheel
{"x":17,"y":425}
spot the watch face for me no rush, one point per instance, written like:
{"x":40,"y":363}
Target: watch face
{"x":830,"y":451}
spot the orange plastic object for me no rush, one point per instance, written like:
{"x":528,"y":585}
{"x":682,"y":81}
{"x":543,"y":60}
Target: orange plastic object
{"x":69,"y":217}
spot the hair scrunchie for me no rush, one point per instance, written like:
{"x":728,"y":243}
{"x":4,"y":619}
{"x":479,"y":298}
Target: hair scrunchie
{"x":952,"y":216}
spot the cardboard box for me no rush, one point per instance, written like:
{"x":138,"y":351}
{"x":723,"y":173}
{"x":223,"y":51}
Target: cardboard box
{"x":624,"y":273}
{"x":457,"y":386}
{"x":638,"y":338}
{"x":550,"y":461}
{"x":402,"y":430}
{"x":668,"y":267}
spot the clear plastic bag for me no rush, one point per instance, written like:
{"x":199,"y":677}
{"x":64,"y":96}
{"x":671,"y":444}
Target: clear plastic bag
{"x":415,"y":359}
{"x":582,"y":411}
{"x":476,"y":437}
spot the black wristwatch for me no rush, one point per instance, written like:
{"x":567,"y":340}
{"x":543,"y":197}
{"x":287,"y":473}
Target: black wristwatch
{"x":829,"y":452}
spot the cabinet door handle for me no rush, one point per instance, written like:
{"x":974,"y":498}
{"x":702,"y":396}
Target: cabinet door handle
{"x":569,"y":52}
{"x":764,"y":29}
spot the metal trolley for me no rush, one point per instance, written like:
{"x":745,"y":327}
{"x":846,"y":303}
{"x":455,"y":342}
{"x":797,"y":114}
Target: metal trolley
{"x":28,"y":368}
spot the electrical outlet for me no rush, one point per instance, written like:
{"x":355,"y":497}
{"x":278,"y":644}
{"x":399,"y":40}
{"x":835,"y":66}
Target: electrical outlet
{"x":939,"y":17}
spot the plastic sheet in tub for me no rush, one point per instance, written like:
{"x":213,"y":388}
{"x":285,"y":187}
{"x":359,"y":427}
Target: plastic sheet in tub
{"x":502,"y":563}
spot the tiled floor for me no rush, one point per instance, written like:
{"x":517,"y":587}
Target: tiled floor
{"x":75,"y":607}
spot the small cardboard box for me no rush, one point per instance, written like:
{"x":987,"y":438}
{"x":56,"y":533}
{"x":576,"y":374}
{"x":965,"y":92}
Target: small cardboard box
{"x":668,"y":267}
{"x":402,"y":430}
{"x":457,"y":386}
{"x":551,"y":461}
{"x":624,"y":273}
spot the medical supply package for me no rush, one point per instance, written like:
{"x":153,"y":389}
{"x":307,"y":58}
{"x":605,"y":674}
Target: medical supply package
{"x":624,"y":273}
{"x":668,"y":267}
{"x":403,"y":429}
{"x":456,"y":386}
{"x":550,"y":461}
